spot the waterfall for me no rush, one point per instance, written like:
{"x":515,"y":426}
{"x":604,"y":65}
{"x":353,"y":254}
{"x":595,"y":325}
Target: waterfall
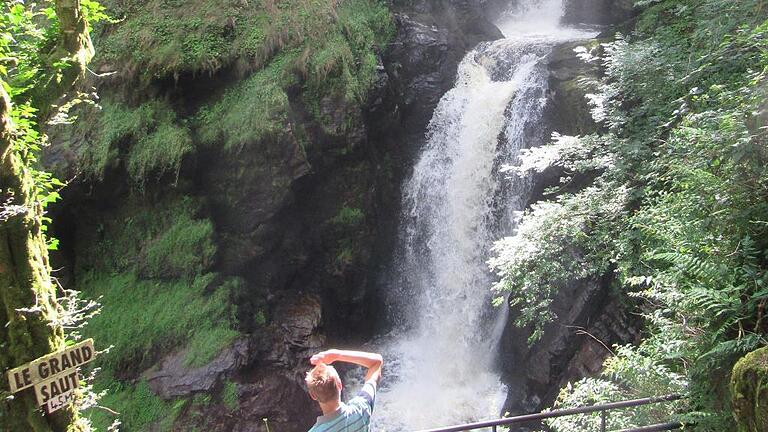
{"x":441,"y":356}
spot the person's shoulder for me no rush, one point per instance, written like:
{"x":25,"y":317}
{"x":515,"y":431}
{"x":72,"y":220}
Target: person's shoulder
{"x":365,"y":398}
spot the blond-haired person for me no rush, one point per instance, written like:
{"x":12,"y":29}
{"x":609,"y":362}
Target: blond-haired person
{"x":325,"y":386}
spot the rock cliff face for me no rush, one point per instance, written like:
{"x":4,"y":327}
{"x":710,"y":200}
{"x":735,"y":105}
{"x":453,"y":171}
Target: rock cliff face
{"x":303,"y":218}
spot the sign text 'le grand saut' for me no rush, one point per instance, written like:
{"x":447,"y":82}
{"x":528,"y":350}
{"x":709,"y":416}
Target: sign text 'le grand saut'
{"x":54,"y":375}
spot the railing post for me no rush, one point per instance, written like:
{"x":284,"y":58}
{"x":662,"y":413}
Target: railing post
{"x":603,"y":414}
{"x":494,"y":428}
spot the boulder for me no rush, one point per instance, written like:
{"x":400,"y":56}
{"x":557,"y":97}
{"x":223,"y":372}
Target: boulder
{"x":749,"y":391}
{"x":171,"y":377}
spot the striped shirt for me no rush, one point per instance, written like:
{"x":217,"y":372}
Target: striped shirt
{"x":354,"y":416}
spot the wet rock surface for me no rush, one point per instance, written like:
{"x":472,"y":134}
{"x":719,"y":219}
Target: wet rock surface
{"x":171,"y":377}
{"x":600,"y":12}
{"x":570,"y":79}
{"x":589,"y":322}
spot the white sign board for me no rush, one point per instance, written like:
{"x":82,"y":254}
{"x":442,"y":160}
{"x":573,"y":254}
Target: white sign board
{"x":54,"y":375}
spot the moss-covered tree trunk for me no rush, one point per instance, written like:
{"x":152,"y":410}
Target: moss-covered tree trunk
{"x":29,"y":313}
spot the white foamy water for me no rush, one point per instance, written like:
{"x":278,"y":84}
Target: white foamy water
{"x":441,"y":358}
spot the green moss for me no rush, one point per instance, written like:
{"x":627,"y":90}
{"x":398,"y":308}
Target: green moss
{"x":140,"y":237}
{"x":343,"y":64}
{"x":749,"y":391}
{"x":144,"y":319}
{"x":229,"y":396}
{"x":249,"y":111}
{"x":137,"y":405}
{"x":260,"y":318}
{"x":160,"y":150}
{"x":162,"y":37}
{"x":201,"y":399}
{"x":155,"y":139}
{"x":184,"y":250}
{"x":331,"y":46}
{"x":348,"y":217}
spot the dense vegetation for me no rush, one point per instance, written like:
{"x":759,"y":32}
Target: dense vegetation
{"x":318,"y":49}
{"x":44,"y":50}
{"x":678,"y":211}
{"x":244,"y":68}
{"x":152,"y":260}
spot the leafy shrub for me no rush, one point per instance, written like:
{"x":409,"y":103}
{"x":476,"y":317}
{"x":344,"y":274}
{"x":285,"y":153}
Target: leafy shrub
{"x":683,"y":99}
{"x":629,"y":374}
{"x":138,"y":406}
{"x":556,"y":242}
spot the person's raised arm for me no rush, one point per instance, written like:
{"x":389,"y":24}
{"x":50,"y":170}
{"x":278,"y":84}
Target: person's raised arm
{"x":371,"y":361}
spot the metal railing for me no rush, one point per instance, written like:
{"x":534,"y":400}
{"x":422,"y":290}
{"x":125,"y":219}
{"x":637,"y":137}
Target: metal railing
{"x":602,"y":409}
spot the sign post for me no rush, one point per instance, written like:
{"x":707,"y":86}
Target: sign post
{"x":54,"y":376}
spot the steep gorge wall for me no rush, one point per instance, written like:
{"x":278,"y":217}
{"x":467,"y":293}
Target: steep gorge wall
{"x":233,"y":226}
{"x":253,"y":236}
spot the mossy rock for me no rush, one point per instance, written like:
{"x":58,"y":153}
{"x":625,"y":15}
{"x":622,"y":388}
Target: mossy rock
{"x":749,"y":391}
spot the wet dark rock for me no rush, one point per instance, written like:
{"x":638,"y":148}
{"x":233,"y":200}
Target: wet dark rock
{"x":276,"y":398}
{"x":570,"y":80}
{"x":589,"y":321}
{"x":247,"y":188}
{"x":172,"y":378}
{"x":267,"y":369}
{"x":599,"y":12}
{"x":432,"y":38}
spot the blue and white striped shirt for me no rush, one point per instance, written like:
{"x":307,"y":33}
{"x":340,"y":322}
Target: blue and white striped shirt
{"x":354,"y":416}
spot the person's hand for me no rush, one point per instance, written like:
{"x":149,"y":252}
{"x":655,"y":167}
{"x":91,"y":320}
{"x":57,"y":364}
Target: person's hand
{"x":326,"y":357}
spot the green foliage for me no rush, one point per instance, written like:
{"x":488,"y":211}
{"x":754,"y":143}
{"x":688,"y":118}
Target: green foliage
{"x":155,"y":138}
{"x":184,"y":250}
{"x":260,"y":318}
{"x":26,"y":31}
{"x":683,"y":99}
{"x":556,"y":243}
{"x":141,"y":238}
{"x":251,"y":110}
{"x":164,"y":37}
{"x":137,"y":405}
{"x":348,"y":217}
{"x":629,"y":374}
{"x":337,"y":59}
{"x":229,"y":395}
{"x":170,"y":315}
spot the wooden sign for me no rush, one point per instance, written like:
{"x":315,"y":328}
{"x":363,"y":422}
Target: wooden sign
{"x":57,"y":391}
{"x":54,"y":375}
{"x":50,"y":365}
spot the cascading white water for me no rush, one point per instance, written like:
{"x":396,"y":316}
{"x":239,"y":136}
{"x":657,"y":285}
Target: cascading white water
{"x":440,"y":360}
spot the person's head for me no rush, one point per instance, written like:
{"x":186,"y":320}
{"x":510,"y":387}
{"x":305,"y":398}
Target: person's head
{"x":323,"y":383}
